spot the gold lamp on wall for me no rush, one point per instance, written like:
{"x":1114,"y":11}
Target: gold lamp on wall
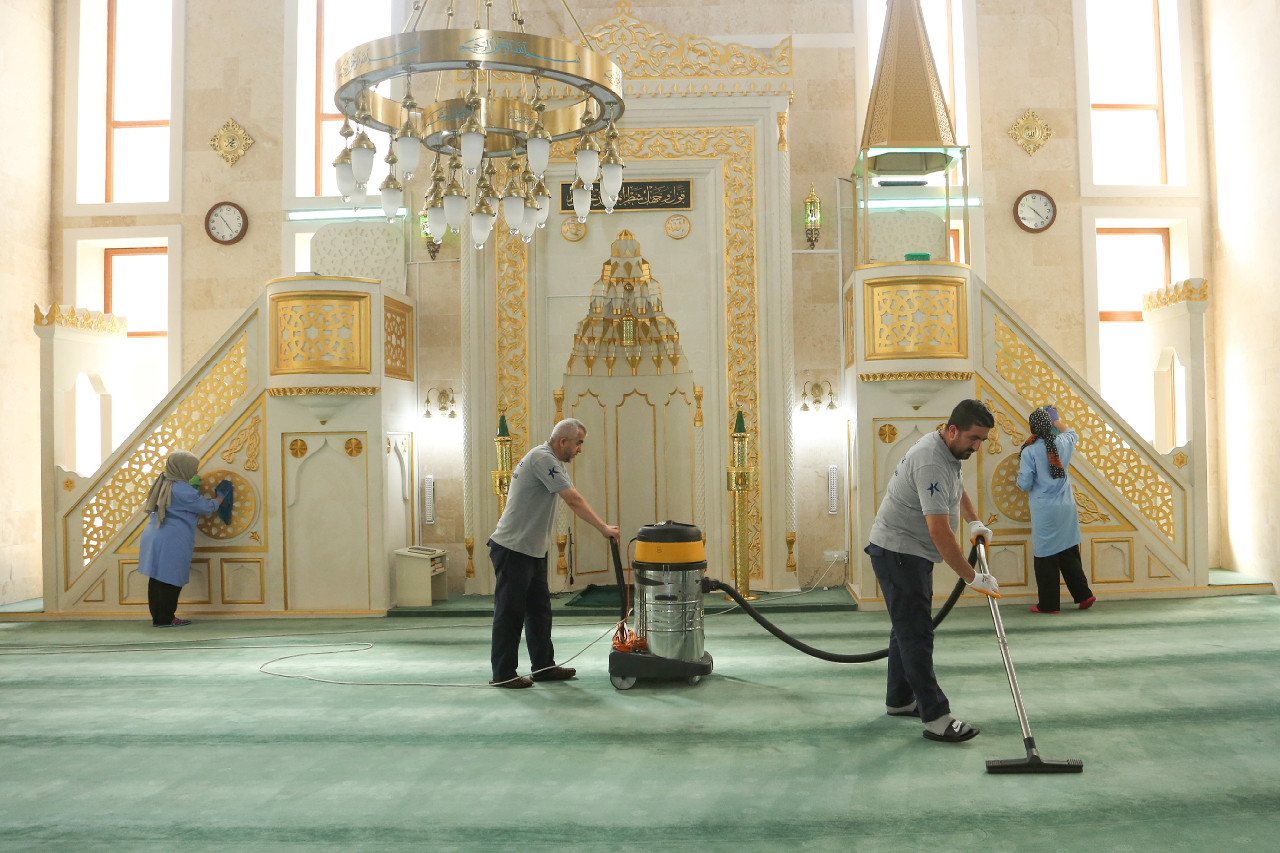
{"x":812,"y":217}
{"x":812,"y":394}
{"x":445,"y":403}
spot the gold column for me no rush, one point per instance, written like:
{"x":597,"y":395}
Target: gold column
{"x":470,"y":542}
{"x":741,"y":478}
{"x":502,"y":477}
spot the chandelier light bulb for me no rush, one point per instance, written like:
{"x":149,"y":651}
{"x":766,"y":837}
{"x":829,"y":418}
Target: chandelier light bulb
{"x":472,"y":146}
{"x":611,"y":178}
{"x":392,"y":196}
{"x":359,"y":195}
{"x":481,"y":223}
{"x":581,"y":199}
{"x":345,"y":177}
{"x":362,"y":154}
{"x":543,"y":200}
{"x":408,"y":150}
{"x":436,"y":222}
{"x":529,"y":221}
{"x":607,"y":201}
{"x":588,"y":155}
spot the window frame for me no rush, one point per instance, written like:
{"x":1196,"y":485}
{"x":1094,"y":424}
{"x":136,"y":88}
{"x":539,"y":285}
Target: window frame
{"x":1177,"y":113}
{"x":88,"y":130}
{"x":110,"y":253}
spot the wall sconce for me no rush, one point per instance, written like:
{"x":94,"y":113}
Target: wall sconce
{"x":444,"y":403}
{"x":812,"y":217}
{"x":812,"y":396}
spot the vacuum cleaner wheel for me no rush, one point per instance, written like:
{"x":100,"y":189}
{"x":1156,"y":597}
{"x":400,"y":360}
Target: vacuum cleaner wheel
{"x":623,"y":682}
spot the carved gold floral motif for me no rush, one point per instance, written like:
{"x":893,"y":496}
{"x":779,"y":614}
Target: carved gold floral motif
{"x":1190,"y":290}
{"x":324,"y":390}
{"x":249,"y":440}
{"x":512,"y":281}
{"x":1030,"y":132}
{"x":297,"y":448}
{"x":1142,"y":485}
{"x":398,"y":336}
{"x":354,"y":447}
{"x":888,"y":433}
{"x":231,"y":141}
{"x":644,"y":52}
{"x":82,"y":319}
{"x":107,"y":509}
{"x":320,"y":333}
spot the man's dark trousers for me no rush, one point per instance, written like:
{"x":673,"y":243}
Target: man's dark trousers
{"x":907,"y":583}
{"x":521,"y":600}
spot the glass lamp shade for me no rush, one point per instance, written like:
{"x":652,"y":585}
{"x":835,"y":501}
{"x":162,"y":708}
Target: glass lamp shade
{"x":455,"y":210}
{"x":409,"y":153}
{"x":607,"y":201}
{"x":472,"y":151}
{"x":436,"y":223}
{"x":392,"y":196}
{"x":481,"y":224}
{"x":359,"y":195}
{"x":588,"y":164}
{"x":539,"y":150}
{"x":345,"y":176}
{"x":544,"y":210}
{"x":362,"y":154}
{"x":611,"y":179}
{"x":529,"y":222}
{"x":581,"y":199}
{"x":513,"y":211}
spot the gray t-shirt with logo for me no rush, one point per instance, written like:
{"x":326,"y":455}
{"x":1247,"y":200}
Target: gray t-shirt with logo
{"x":527,"y":522}
{"x":926,"y":482}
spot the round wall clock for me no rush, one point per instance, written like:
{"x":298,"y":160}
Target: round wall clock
{"x":226,"y":223}
{"x":1035,"y":211}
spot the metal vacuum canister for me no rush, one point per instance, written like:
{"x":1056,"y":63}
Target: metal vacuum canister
{"x":669,"y":563}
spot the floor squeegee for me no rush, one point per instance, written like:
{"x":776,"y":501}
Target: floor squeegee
{"x":1033,"y":763}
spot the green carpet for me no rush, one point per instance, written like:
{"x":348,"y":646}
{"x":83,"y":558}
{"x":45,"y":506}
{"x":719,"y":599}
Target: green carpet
{"x":597,"y":595}
{"x":1171,"y":705}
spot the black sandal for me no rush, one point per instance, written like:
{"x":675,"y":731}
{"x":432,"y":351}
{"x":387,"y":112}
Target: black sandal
{"x":957,"y":732}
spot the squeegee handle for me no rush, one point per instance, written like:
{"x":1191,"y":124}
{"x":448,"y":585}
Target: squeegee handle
{"x":622,"y":581}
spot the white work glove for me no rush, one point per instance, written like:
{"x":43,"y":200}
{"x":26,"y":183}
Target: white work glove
{"x":985,"y":584}
{"x":978,"y":529}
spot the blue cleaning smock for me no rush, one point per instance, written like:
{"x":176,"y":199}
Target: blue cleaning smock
{"x":167,"y":548}
{"x":1055,"y":521}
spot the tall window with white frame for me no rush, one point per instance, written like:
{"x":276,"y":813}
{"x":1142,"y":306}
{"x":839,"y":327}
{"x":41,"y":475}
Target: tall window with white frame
{"x":1131,"y":263}
{"x":326,"y":30}
{"x":138,"y":35}
{"x":1134,"y":93}
{"x":135,"y":285}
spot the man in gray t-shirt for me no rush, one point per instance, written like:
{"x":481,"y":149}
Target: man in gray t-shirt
{"x":518,"y":550}
{"x":915,"y":527}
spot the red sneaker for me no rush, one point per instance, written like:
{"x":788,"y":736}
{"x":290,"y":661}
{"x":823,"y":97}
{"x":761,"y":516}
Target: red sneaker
{"x":1088,"y":602}
{"x":1035,"y":608}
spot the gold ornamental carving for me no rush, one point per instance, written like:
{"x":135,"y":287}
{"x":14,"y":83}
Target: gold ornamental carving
{"x":698,"y":392}
{"x":297,"y":448}
{"x":1142,"y":485}
{"x":69,"y":485}
{"x":645,"y":52}
{"x":888,"y":433}
{"x":397,"y":322}
{"x":325,"y":390}
{"x":1181,"y":459}
{"x":562,"y":563}
{"x":915,"y":317}
{"x":244,"y":506}
{"x":782,"y":131}
{"x":470,"y":544}
{"x":320,"y":332}
{"x":573,"y":230}
{"x":1088,"y":510}
{"x":82,"y":319}
{"x":113,"y":502}
{"x":791,"y":551}
{"x":1030,"y":132}
{"x":1190,"y":290}
{"x":850,"y":327}
{"x":512,"y":283}
{"x":907,"y":375}
{"x":558,"y":396}
{"x":354,"y":447}
{"x":231,"y":142}
{"x":248,"y":439}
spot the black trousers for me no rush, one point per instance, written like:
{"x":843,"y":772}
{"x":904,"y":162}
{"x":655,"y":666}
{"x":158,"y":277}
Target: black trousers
{"x":907,"y":583}
{"x":162,"y":599}
{"x":521,"y":601}
{"x":1067,"y":565}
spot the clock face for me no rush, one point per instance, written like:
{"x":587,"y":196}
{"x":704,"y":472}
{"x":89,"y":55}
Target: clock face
{"x":226,"y":222}
{"x":1035,"y":211}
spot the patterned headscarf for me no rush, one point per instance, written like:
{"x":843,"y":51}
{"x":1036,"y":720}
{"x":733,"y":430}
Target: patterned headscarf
{"x":179,"y":467}
{"x":1042,"y":428}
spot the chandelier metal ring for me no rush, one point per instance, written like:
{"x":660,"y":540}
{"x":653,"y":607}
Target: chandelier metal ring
{"x":361,"y":69}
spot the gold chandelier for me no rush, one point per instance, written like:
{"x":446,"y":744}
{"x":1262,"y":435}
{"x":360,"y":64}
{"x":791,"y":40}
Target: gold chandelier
{"x":522,"y":93}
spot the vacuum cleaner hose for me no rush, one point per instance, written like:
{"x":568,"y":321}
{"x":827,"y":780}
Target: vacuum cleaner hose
{"x":710,"y":584}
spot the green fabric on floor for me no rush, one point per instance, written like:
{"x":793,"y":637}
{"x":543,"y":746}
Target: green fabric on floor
{"x":1171,"y":705}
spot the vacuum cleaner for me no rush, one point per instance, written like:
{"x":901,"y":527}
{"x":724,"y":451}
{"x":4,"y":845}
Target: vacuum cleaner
{"x":1033,"y":763}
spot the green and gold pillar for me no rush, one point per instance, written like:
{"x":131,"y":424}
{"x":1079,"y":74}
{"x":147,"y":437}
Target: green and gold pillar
{"x":741,"y":479}
{"x":502,"y":476}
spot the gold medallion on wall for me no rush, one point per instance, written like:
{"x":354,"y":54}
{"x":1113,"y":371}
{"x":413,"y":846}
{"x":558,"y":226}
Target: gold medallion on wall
{"x":678,"y":226}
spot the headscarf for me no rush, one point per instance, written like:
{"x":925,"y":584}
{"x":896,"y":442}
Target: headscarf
{"x":179,"y":467}
{"x":1042,"y":428}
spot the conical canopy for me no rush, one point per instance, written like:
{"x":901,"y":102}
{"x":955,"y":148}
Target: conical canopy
{"x":907,"y":110}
